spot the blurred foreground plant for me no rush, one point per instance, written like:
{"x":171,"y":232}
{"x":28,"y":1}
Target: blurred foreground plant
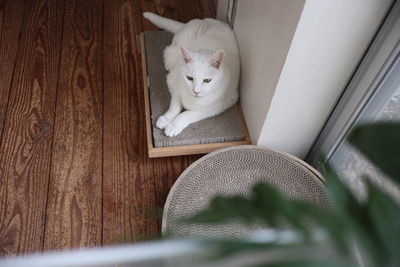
{"x":362,"y":232}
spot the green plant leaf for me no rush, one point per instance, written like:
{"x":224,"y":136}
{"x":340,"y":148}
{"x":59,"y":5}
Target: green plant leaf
{"x":307,"y":263}
{"x":339,"y":195}
{"x":384,"y":214}
{"x":373,"y":225}
{"x":265,"y":205}
{"x":274,"y":206}
{"x":354,"y":215}
{"x":364,"y":237}
{"x":226,"y":209}
{"x":268,"y":205}
{"x":329,"y":221}
{"x":380,"y":143}
{"x":224,"y":248}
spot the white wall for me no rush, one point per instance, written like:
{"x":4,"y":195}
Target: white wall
{"x":264,"y":29}
{"x":330,"y":38}
{"x":222,"y":6}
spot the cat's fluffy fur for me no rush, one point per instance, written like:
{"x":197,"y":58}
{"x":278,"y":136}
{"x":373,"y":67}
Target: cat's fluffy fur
{"x":203,"y":65}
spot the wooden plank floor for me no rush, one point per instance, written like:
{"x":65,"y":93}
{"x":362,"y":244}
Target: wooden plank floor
{"x":74,"y":170}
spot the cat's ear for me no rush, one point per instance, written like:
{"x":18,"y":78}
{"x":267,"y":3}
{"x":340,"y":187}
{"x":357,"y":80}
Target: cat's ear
{"x":187,"y":56}
{"x":217,"y":58}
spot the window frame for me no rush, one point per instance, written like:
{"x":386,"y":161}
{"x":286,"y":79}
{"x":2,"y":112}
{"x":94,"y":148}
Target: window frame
{"x":365,"y":84}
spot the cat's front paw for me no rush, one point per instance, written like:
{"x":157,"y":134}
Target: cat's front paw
{"x":172,"y":130}
{"x":162,"y":122}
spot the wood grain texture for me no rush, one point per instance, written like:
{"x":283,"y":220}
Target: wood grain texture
{"x":186,"y":10}
{"x":74,"y":209}
{"x":128,"y":182}
{"x":25,"y":151}
{"x":167,"y":170}
{"x":11,"y":13}
{"x":89,"y":181}
{"x":147,"y":112}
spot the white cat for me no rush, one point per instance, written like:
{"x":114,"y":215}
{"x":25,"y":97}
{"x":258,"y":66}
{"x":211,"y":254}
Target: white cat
{"x":204,"y":67}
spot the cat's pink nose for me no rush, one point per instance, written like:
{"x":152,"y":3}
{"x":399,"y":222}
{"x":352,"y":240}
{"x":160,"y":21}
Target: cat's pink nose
{"x":196,"y":92}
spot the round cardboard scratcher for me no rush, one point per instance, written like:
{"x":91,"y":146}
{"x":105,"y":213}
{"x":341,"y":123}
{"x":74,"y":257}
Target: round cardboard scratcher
{"x":234,"y":171}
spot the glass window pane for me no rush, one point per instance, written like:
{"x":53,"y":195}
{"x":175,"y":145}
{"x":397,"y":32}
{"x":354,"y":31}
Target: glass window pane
{"x":352,"y":166}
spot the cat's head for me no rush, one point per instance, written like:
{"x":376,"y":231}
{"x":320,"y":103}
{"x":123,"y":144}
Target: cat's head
{"x":202,"y":71}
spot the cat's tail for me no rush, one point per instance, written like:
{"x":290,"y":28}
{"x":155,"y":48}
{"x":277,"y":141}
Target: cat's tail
{"x":163,"y":23}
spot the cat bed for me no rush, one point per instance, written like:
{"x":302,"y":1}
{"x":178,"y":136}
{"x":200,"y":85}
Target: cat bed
{"x":234,"y":171}
{"x":224,"y":130}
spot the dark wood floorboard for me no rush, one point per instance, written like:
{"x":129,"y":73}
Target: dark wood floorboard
{"x":74,"y":208}
{"x":25,"y":151}
{"x":166,"y":170}
{"x":11,"y":13}
{"x":128,"y":186}
{"x":74,"y":170}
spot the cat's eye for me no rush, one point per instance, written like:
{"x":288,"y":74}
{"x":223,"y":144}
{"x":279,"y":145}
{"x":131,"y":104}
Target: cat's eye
{"x":207,"y":80}
{"x":189,"y":78}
